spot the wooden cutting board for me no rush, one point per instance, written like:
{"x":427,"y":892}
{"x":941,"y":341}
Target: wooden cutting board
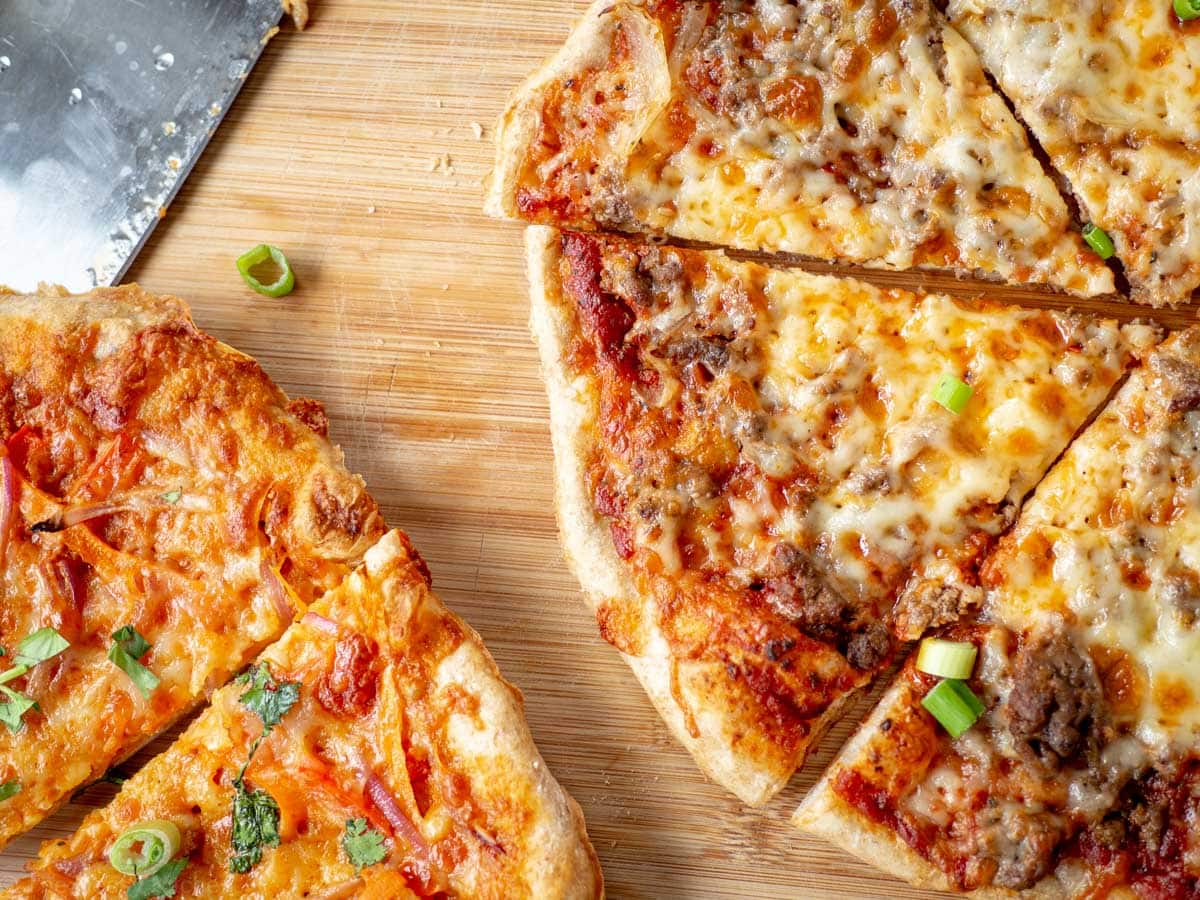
{"x":359,"y":147}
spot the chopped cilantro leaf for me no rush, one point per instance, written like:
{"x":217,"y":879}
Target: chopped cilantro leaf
{"x":160,"y":884}
{"x":129,"y":646}
{"x":131,"y":641}
{"x":9,"y":789}
{"x":14,"y":708}
{"x":255,"y":825}
{"x":255,"y":813}
{"x":267,"y":698}
{"x":145,"y":680}
{"x":363,"y":845}
{"x":43,"y":644}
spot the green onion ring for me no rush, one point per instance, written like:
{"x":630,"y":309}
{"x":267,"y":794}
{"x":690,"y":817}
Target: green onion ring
{"x":145,"y":847}
{"x":1098,"y":239}
{"x":282,"y":286}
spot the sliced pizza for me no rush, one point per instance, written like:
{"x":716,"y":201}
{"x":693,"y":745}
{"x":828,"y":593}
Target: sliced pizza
{"x":1110,"y":91}
{"x":765,"y":477}
{"x":1065,"y":761}
{"x":863,"y":132}
{"x":164,"y":512}
{"x":375,"y":751}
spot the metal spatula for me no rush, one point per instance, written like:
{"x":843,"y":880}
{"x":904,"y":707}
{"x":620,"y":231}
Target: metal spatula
{"x":105,"y":105}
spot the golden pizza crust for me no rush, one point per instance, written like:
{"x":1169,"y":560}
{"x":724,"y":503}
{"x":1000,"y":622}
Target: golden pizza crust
{"x":720,"y":745}
{"x":648,"y":92}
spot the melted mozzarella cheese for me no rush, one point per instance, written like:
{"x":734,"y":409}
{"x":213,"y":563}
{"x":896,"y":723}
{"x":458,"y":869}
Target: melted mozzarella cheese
{"x":1120,"y":516}
{"x":772,"y":185}
{"x":843,"y":376}
{"x":837,"y":345}
{"x":1110,"y":89}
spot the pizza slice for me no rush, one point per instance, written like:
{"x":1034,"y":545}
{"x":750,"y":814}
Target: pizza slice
{"x":765,"y":477}
{"x":1076,"y":767}
{"x":1109,"y":90}
{"x":861,"y":132}
{"x":375,"y":751}
{"x":165,"y":511}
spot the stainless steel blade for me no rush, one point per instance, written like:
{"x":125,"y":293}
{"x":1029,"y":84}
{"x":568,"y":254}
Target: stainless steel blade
{"x":105,"y":105}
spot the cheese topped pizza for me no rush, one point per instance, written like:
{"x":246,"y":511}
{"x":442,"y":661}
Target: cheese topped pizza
{"x":374,"y":751}
{"x":862,"y":132}
{"x":164,"y":512}
{"x":1111,"y":90}
{"x":1080,"y":776}
{"x":766,"y":477}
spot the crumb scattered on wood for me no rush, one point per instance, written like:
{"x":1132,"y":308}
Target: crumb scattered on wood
{"x":478,"y":129}
{"x":443,"y":164}
{"x":371,"y":210}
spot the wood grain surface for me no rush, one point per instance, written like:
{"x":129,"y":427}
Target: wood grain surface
{"x":357,"y":147}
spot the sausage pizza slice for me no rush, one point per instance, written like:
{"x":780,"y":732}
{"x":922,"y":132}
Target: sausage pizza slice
{"x":164,"y":512}
{"x":374,"y":752}
{"x":1110,"y":91}
{"x":863,"y":132}
{"x":766,"y":478}
{"x":1054,"y":745}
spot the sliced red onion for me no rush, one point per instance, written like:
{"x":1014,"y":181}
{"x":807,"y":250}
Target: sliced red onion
{"x":85,"y":513}
{"x":387,"y":804}
{"x":319,"y":622}
{"x":496,"y":848}
{"x":277,"y":592}
{"x":8,"y":502}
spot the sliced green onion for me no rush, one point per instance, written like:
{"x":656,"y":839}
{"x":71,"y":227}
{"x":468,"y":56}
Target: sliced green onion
{"x":953,"y":393}
{"x":172,"y":496}
{"x":14,"y":672}
{"x":1098,"y":239}
{"x":954,"y":705}
{"x":145,"y":847}
{"x":1187,"y":9}
{"x":282,"y":286}
{"x":9,"y":789}
{"x":946,"y":659}
{"x":43,"y":644}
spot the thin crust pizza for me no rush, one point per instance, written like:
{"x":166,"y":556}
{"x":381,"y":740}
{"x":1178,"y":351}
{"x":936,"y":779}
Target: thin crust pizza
{"x":164,"y":512}
{"x":859,"y":132}
{"x":766,"y":478}
{"x":1077,"y":771}
{"x":1109,"y":89}
{"x":375,"y":751}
